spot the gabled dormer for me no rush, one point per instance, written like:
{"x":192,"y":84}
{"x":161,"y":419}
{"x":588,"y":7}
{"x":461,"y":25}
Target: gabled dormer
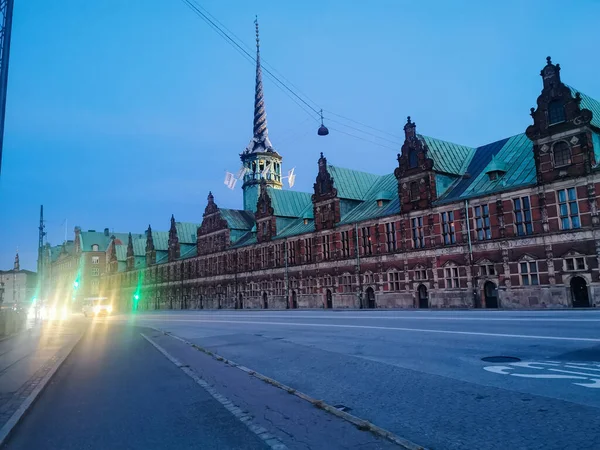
{"x":416,"y":183}
{"x":561,"y":130}
{"x":326,"y":204}
{"x":174,"y":248}
{"x":150,"y":250}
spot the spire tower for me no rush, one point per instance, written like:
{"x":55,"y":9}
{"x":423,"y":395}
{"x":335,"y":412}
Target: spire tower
{"x":260,"y":160}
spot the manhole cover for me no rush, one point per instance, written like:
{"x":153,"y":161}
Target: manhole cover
{"x":501,"y":359}
{"x":343,"y":408}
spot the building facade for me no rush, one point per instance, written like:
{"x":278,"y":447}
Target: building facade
{"x":17,"y":286}
{"x":510,"y":224}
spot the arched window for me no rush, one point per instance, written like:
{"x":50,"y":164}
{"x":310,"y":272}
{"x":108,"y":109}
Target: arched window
{"x":556,"y":112}
{"x":561,"y":153}
{"x":414,"y":190}
{"x":413,"y":160}
{"x":95,"y":247}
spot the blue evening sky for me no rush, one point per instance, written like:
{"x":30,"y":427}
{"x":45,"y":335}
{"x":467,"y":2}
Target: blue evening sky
{"x":122,"y":112}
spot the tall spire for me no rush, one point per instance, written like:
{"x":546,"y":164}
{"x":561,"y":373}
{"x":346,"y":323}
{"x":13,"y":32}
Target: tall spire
{"x":260,"y":140}
{"x":17,"y":266}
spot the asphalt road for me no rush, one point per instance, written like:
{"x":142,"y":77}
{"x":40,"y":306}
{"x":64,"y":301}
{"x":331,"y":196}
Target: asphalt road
{"x":115,"y":391}
{"x":420,"y":374}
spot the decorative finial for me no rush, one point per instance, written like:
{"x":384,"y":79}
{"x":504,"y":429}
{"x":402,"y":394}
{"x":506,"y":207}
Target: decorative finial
{"x":321,"y":154}
{"x":548,"y":60}
{"x":408,"y":120}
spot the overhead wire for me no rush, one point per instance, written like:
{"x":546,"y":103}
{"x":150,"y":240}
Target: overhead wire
{"x":239,"y":45}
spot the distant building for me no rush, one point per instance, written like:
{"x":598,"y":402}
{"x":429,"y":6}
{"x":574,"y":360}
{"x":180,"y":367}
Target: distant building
{"x":511,"y":224}
{"x":19,"y":285}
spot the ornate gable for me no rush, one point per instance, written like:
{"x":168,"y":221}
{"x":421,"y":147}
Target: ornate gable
{"x":266,"y":225}
{"x":326,"y":204}
{"x":416,"y":183}
{"x":560,"y":132}
{"x":174,"y":249}
{"x":150,"y":251}
{"x":213,"y":233}
{"x":130,"y":257}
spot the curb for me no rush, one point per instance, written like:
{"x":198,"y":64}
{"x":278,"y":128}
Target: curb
{"x":14,"y":420}
{"x":361,"y":424}
{"x":273,"y":442}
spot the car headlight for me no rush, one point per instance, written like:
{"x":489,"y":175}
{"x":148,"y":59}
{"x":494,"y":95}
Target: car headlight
{"x":96,"y":309}
{"x":109,"y":308}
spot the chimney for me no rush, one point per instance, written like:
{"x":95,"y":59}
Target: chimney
{"x":106,"y":232}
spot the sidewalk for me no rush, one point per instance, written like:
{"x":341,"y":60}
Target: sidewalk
{"x":27,"y":359}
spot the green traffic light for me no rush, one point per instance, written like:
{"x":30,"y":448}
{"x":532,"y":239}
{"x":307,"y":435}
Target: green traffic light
{"x":137,"y":297}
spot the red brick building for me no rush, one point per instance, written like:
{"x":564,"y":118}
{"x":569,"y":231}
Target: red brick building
{"x":510,"y":224}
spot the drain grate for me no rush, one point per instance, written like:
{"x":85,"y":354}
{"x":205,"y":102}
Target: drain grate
{"x":501,"y":359}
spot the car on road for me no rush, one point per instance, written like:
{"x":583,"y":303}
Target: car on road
{"x":97,"y":307}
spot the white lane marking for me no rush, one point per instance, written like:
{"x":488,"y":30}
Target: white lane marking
{"x":367,"y":316}
{"x":590,"y":380}
{"x":373,"y":327}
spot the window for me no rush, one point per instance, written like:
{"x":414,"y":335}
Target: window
{"x":345,"y":243}
{"x":487,"y":270}
{"x":414,"y":191}
{"x":308,"y":243}
{"x":529,"y":273}
{"x":278,"y":254}
{"x":413,"y":159}
{"x":523,"y":216}
{"x":345,"y":283}
{"x":574,"y":263}
{"x":420,"y":273}
{"x":366,"y":241}
{"x":390,"y":233}
{"x":452,"y":280}
{"x":264,"y":226}
{"x":561,"y":154}
{"x":291,"y":253}
{"x":95,"y":287}
{"x":448,"y":234}
{"x":95,"y":271}
{"x":568,"y":209}
{"x":394,"y":281}
{"x":556,"y":112}
{"x":263,"y":257}
{"x":95,"y":247}
{"x":326,"y":247}
{"x":417,"y":232}
{"x":95,"y":260}
{"x":482,"y":222}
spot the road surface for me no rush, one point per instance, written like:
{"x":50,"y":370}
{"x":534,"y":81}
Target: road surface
{"x":420,"y":374}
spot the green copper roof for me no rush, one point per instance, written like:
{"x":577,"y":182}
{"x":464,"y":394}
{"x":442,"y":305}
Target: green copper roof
{"x":448,"y":157}
{"x":121,"y":251}
{"x":187,"y":232}
{"x":588,"y":102}
{"x":289,"y":203}
{"x":369,"y":208}
{"x":517,"y":155}
{"x":351,"y":184}
{"x":238,"y":219}
{"x":295,"y":228}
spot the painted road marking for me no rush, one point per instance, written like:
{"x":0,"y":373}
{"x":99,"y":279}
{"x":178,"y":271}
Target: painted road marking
{"x":585,"y":379}
{"x":372,"y":327}
{"x":342,"y":316}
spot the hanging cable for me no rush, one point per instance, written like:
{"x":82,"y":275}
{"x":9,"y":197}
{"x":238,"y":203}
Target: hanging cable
{"x":314,"y":112}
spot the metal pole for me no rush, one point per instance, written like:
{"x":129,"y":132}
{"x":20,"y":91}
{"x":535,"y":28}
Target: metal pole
{"x":287,"y":287}
{"x":6,"y":11}
{"x":356,"y":250}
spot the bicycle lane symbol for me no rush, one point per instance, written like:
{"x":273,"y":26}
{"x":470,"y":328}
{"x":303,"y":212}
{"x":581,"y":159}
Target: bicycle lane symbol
{"x":585,"y":374}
